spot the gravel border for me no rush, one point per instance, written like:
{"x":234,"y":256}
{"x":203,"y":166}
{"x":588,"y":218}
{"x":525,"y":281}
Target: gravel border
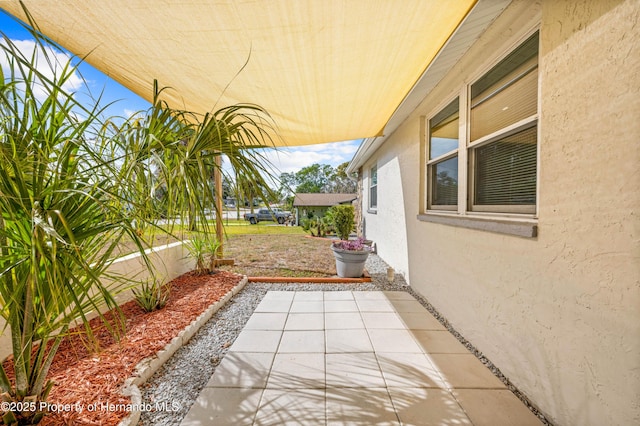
{"x":178,"y":383}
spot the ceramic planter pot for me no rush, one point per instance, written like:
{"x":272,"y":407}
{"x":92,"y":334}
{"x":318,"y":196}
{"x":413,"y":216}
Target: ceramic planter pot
{"x":349,"y":263}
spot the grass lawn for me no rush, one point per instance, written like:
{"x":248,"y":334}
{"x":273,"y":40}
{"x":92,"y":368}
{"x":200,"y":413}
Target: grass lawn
{"x":272,"y":255}
{"x":242,"y":227}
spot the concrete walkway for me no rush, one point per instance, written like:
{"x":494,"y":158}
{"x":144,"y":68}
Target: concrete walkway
{"x":351,"y":358}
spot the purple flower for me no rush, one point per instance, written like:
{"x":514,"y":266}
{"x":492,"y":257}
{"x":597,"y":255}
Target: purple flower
{"x":352,"y":245}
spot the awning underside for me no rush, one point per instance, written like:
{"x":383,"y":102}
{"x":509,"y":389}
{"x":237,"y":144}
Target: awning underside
{"x":326,"y":71}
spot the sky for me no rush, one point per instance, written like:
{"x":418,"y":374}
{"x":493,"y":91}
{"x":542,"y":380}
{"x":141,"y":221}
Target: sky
{"x":126,"y":103}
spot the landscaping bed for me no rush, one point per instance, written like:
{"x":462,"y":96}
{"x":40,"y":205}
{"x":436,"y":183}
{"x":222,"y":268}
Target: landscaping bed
{"x":88,"y":380}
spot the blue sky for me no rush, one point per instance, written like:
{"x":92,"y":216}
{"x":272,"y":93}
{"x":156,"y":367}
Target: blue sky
{"x":124,"y":103}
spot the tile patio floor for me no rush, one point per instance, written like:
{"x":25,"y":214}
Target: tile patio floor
{"x":351,"y":358}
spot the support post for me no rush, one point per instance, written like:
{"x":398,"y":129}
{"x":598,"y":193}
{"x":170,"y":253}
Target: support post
{"x":217,"y":176}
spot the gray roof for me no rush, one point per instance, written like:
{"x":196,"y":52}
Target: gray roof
{"x":322,"y":200}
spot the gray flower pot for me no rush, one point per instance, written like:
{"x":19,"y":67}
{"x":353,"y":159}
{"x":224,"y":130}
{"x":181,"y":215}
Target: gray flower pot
{"x":350,"y":264}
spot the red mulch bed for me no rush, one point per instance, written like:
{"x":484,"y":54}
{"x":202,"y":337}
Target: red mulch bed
{"x":87,"y":377}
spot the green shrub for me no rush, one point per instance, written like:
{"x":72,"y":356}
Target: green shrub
{"x":152,"y":295}
{"x":203,"y":248}
{"x":317,"y":227}
{"x":343,"y":220}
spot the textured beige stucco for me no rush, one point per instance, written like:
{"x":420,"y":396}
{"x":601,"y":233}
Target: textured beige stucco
{"x":168,"y":261}
{"x":388,"y":224}
{"x":558,"y":314}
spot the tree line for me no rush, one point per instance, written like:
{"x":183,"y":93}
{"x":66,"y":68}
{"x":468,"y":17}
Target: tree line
{"x":317,"y":178}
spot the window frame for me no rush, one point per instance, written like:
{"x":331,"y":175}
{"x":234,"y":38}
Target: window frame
{"x":373,"y":171}
{"x":520,"y":220}
{"x":432,"y":162}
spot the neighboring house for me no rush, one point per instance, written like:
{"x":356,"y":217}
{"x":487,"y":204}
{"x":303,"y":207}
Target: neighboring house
{"x":306,"y":204}
{"x":506,"y":189}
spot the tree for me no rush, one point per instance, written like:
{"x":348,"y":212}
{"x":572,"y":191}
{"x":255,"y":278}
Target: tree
{"x":288,"y":184}
{"x":314,"y":178}
{"x":340,"y":182}
{"x":317,"y":178}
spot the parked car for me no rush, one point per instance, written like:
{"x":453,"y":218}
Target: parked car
{"x":275,"y":214}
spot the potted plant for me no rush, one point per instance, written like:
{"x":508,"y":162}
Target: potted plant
{"x":350,"y":257}
{"x":350,"y":254}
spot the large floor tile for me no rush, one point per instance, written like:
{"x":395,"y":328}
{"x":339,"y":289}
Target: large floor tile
{"x":353,"y":340}
{"x":420,"y":321}
{"x":495,"y":407}
{"x":365,"y":305}
{"x":308,"y":296}
{"x":426,"y":407}
{"x":398,"y":295}
{"x":273,"y":305}
{"x":224,"y":407}
{"x":393,"y":340}
{"x":256,"y":341}
{"x":360,"y":407}
{"x":279,"y":295}
{"x":312,"y":321}
{"x":242,"y":370}
{"x":266,"y":321}
{"x":357,"y":370}
{"x":298,"y":371}
{"x":338,"y":295}
{"x":409,"y":370}
{"x":340,"y":306}
{"x":382,"y":320}
{"x":407,"y":306}
{"x":434,"y":341}
{"x":307,"y":306}
{"x":464,"y":371}
{"x":342,"y":320}
{"x":286,"y":407}
{"x":369,"y":295}
{"x":302,"y":341}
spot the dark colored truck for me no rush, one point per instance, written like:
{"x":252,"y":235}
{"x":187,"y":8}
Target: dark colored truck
{"x":275,"y":214}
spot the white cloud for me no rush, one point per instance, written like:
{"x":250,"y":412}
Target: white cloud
{"x":129,"y":113}
{"x":48,"y":61}
{"x":292,"y":159}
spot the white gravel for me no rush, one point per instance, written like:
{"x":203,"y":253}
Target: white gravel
{"x":180,"y":380}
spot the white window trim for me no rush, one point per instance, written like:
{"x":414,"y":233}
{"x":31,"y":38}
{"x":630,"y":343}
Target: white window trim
{"x":513,"y":223}
{"x":372,"y":209}
{"x":446,"y":156}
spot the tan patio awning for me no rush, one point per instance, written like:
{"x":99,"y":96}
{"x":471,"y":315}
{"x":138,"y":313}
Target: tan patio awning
{"x":326,"y":70}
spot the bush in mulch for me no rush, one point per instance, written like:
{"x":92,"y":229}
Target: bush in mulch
{"x":88,"y":382}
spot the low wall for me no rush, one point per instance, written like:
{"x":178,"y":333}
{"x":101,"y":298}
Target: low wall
{"x":169,"y":261}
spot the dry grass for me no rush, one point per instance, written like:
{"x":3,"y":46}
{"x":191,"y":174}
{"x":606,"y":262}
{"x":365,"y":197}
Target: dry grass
{"x":265,"y":250}
{"x":280,"y":256}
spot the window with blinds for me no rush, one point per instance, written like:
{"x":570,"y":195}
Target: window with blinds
{"x":505,"y":172}
{"x":442,"y":164}
{"x":503,"y":134}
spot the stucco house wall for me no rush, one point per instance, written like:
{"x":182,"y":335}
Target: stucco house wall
{"x":386,"y":224}
{"x":558,"y":313}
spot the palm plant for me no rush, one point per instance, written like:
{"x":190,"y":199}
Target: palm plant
{"x":73,"y":186}
{"x":203,"y":248}
{"x":61,"y":218}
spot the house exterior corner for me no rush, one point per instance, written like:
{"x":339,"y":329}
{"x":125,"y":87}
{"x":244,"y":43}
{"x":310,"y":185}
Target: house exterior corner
{"x":547,"y":283}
